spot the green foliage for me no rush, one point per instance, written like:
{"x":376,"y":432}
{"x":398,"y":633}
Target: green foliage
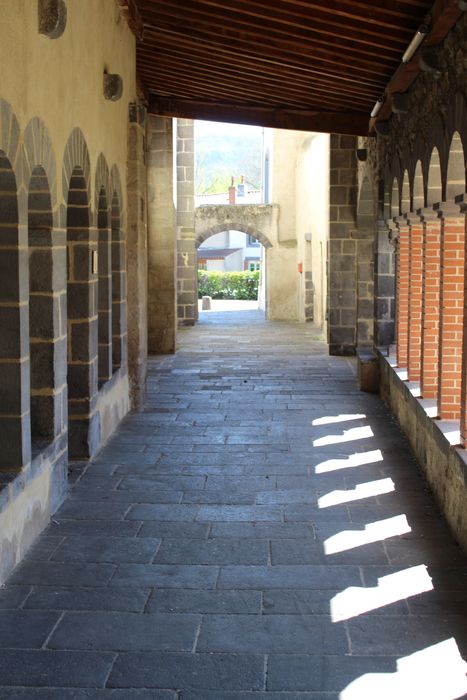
{"x":228,"y":285}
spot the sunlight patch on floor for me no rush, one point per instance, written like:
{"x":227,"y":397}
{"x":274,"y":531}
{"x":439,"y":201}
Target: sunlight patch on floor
{"x":356,"y":460}
{"x":347,"y":436}
{"x":373,"y":532}
{"x":355,"y":601}
{"x":341,"y":418}
{"x":435,"y":673}
{"x":370,"y":488}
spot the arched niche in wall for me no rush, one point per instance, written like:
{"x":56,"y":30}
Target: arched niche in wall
{"x":418,"y":193}
{"x":455,"y":177}
{"x":434,"y":186}
{"x":41,"y":308}
{"x":395,"y":199}
{"x":405,"y":194}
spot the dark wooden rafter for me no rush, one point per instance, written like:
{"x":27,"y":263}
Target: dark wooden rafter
{"x":355,"y":123}
{"x":130,"y":11}
{"x":298,"y":64}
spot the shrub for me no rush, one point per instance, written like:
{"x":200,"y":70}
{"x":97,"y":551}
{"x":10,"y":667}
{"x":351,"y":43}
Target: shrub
{"x":228,"y":285}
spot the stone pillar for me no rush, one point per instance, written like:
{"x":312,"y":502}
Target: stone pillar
{"x":342,"y":272}
{"x":430,"y":304}
{"x":451,"y":311}
{"x":137,"y":264}
{"x":15,"y":434}
{"x":402,"y":296}
{"x":162,"y":243}
{"x":415,"y":297}
{"x":187,"y":298}
{"x":384,"y":286}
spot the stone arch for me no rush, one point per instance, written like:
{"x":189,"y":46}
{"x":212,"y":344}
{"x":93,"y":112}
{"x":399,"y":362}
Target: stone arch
{"x":76,"y":156}
{"x":435,"y":184}
{"x":38,"y":151}
{"x":233,"y":226}
{"x":418,"y":188}
{"x":455,"y":175}
{"x":10,"y":147}
{"x":118,"y":273}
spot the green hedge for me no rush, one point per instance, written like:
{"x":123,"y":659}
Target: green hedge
{"x":228,"y":285}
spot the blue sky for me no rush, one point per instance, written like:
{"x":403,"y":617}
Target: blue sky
{"x":215,"y":128}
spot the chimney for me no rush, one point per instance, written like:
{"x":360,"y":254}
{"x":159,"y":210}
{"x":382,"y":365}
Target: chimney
{"x":232,"y":191}
{"x":241,"y":187}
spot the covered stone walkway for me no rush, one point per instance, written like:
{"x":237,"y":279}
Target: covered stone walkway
{"x":260,"y":532}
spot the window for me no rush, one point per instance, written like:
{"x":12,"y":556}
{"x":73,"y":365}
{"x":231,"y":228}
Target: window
{"x":253,"y":266}
{"x":251,"y":241}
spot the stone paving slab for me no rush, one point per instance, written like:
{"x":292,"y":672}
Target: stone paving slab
{"x":259,"y":532}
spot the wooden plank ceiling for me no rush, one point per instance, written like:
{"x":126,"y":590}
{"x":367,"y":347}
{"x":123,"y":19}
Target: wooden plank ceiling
{"x":299,"y":64}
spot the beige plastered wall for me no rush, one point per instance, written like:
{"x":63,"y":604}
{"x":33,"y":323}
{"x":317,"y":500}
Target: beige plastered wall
{"x":60,"y":81}
{"x":300,"y":186}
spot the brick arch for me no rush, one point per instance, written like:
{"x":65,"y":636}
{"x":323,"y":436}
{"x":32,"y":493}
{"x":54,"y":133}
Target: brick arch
{"x":38,"y":151}
{"x":76,"y":159}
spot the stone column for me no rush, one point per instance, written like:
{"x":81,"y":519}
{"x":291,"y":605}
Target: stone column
{"x":187,"y":255}
{"x":162,"y":242}
{"x":342,"y":271}
{"x":137,"y":263}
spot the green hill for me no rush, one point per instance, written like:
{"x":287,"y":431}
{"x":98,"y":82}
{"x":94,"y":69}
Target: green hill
{"x":225,"y":150}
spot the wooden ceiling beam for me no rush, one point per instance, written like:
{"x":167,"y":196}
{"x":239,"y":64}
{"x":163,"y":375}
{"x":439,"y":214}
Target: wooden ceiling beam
{"x":203,"y":85}
{"x":197,"y":61}
{"x":187,"y":47}
{"x":316,"y":52}
{"x":354,"y":123}
{"x":306,"y":35}
{"x":334,"y":71}
{"x":284,"y":17}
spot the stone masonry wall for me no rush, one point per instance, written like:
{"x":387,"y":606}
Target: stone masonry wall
{"x":187,"y":304}
{"x":162,"y":244}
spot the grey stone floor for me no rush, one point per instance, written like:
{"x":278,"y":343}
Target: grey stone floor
{"x":260,"y":532}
